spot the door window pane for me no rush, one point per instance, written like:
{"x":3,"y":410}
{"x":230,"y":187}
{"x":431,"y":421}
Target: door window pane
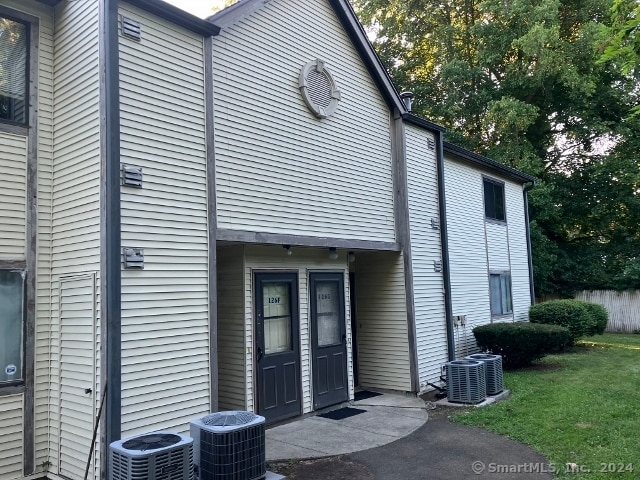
{"x":328,"y":313}
{"x":13,"y":70}
{"x":277,"y":317}
{"x":11,"y":324}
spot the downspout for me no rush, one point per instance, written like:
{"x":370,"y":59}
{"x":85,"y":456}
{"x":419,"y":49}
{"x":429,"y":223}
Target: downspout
{"x":444,"y":242}
{"x":525,"y":191}
{"x":111,"y":273}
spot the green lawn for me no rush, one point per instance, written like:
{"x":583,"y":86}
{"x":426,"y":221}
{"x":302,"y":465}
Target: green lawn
{"x":581,"y":407}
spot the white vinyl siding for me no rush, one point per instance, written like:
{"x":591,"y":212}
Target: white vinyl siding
{"x":279,"y":169}
{"x":468,"y":260}
{"x":383,"y":350}
{"x":165,"y":307}
{"x":43,"y":79}
{"x":520,"y":280}
{"x":232,"y":347}
{"x":498,"y":246}
{"x":11,"y":437}
{"x":45,"y":195}
{"x":302,"y":261}
{"x":77,"y":374}
{"x":75,"y":196}
{"x":13,"y":197}
{"x":428,"y":285}
{"x":478,"y":247}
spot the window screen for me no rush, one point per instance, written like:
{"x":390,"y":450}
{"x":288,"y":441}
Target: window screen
{"x":500,"y":290}
{"x":13,"y":70}
{"x":11,"y":324}
{"x":494,"y":200}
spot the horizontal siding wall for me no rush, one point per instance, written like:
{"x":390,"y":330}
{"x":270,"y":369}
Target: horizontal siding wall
{"x":75,"y":201}
{"x":232,"y":341}
{"x":498,"y":246}
{"x":278,"y":168}
{"x":467,"y":250}
{"x":476,"y":246}
{"x":165,"y":307}
{"x":44,"y":317}
{"x":44,"y":81}
{"x":11,"y":437}
{"x":518,"y":254}
{"x":428,"y":285}
{"x":381,"y":314}
{"x":13,"y":197}
{"x":302,"y":261}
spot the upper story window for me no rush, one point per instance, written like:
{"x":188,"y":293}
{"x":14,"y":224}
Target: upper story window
{"x":494,"y":200}
{"x":14,"y":48}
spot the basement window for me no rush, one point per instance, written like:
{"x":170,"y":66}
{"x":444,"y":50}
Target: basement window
{"x":494,"y":200}
{"x":11,"y":325}
{"x":14,"y":61}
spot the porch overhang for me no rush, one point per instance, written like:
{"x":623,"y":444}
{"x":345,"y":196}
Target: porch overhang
{"x":243,"y":236}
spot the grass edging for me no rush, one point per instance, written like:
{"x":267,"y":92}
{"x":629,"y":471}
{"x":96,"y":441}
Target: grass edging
{"x":579,"y":407}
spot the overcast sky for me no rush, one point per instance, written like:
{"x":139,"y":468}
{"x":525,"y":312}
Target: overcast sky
{"x":200,"y":8}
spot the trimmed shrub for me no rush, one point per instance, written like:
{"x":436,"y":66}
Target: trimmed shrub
{"x":599,"y":317}
{"x":572,"y":314}
{"x":521,"y":343}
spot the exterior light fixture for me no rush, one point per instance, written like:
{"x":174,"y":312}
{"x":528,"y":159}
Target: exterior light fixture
{"x":288,"y":249}
{"x":352,"y":257}
{"x":333,"y":253}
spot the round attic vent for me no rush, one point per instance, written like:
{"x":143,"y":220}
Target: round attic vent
{"x":318,"y":89}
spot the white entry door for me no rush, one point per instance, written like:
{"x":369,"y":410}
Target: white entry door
{"x":77,"y":374}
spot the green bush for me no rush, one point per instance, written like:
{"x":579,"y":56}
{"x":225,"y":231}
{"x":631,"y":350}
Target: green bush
{"x":599,"y":317}
{"x":521,"y":343}
{"x":572,"y":314}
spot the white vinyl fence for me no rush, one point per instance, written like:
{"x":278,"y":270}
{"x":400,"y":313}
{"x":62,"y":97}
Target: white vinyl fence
{"x":623,"y":308}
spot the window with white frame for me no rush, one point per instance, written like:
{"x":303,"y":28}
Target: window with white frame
{"x":494,"y":200}
{"x":500,"y":289}
{"x":14,"y":55}
{"x":11,"y":325}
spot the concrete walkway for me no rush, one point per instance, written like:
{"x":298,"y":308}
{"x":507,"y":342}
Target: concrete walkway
{"x":386,"y":419}
{"x":393,"y":440}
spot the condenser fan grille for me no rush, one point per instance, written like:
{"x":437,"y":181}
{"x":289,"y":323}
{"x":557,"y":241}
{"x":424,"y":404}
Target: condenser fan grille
{"x":229,"y":419}
{"x":152,"y":441}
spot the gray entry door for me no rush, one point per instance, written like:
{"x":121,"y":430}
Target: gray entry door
{"x":328,"y":339}
{"x":277,"y":346}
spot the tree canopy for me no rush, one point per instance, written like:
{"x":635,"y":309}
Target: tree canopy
{"x":522,"y":81}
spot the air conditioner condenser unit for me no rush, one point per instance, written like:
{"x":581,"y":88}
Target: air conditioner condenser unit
{"x":466,"y":381}
{"x":229,"y":446}
{"x":152,"y":456}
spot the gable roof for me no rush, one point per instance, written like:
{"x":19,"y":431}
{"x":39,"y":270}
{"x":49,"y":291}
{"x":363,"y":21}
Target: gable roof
{"x":475,"y":159}
{"x":352,"y":26}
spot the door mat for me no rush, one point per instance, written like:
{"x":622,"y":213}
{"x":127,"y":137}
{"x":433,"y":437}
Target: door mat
{"x":364,"y":394}
{"x":341,"y":413}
